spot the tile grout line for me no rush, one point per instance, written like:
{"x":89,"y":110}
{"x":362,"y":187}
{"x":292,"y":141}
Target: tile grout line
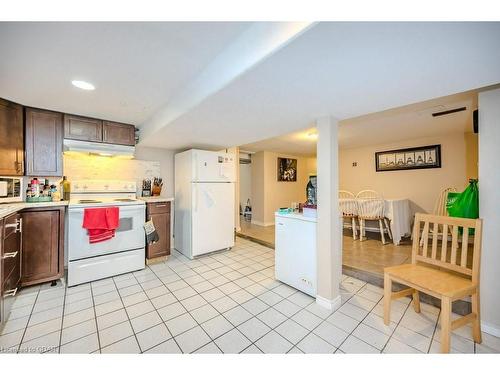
{"x":62,"y":318}
{"x":156,"y":310}
{"x":27,"y":324}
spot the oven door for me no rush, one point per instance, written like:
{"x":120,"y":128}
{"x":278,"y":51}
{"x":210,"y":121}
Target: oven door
{"x":129,"y":236}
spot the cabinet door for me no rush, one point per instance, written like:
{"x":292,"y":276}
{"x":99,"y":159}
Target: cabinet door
{"x":42,"y":246}
{"x":44,"y":141}
{"x":162,"y":225}
{"x":11,"y":139}
{"x":82,"y":128}
{"x":121,"y":134}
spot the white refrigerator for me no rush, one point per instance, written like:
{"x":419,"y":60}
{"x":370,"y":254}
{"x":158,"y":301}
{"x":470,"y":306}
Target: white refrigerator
{"x":204,"y":202}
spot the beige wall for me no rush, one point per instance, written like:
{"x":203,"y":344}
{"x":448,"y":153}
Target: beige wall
{"x":472,"y":152}
{"x":421,"y":186}
{"x":268,"y":193}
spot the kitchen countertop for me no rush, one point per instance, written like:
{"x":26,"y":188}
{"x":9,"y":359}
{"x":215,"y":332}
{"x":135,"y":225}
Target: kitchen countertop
{"x":156,"y":199}
{"x":296,"y":216}
{"x":9,"y":208}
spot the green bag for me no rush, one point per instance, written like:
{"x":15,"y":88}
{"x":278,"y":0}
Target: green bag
{"x":465,"y":204}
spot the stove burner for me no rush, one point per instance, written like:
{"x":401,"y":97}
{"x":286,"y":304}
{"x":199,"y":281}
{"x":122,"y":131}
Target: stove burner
{"x":89,"y":201}
{"x":124,"y":200}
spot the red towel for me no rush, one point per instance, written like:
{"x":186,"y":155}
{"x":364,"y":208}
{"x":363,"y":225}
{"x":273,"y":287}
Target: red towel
{"x":101,"y":223}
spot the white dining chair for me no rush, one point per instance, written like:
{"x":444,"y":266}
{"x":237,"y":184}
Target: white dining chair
{"x":371,"y":207}
{"x":440,"y":210}
{"x":348,"y":208}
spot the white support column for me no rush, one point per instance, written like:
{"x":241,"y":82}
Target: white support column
{"x":329,"y":239}
{"x":489,"y":203}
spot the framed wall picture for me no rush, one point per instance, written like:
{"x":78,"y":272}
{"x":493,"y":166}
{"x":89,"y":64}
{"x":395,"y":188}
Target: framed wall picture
{"x":408,"y":158}
{"x":287,"y":169}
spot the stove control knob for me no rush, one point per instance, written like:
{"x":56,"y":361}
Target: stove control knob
{"x":77,"y":187}
{"x":85,"y":187}
{"x":106,"y":187}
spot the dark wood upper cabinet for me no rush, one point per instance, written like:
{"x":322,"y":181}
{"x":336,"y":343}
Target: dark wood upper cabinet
{"x":42,"y":245}
{"x":82,"y":128}
{"x":44,"y":142}
{"x":11,"y":139}
{"x":122,"y":134}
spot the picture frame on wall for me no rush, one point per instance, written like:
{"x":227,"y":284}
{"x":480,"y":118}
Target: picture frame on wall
{"x":408,"y":158}
{"x":287,"y":170}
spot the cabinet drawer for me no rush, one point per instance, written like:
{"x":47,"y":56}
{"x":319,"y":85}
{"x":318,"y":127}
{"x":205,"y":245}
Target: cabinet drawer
{"x":11,"y":281}
{"x":11,"y":224}
{"x":11,"y":256}
{"x":158,"y":208}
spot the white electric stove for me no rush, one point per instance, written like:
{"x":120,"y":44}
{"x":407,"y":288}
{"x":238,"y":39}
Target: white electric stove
{"x":125,"y":252}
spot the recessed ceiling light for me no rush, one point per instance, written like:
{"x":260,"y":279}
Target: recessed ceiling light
{"x":83,"y":85}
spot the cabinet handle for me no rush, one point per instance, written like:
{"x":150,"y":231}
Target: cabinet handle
{"x":18,"y":225}
{"x":10,"y":293}
{"x":161,"y":205}
{"x":10,"y":255}
{"x":280,"y":224}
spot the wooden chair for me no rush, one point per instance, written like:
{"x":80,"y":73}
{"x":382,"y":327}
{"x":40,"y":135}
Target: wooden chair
{"x":349,"y":209}
{"x":371,"y":206}
{"x":442,"y":272}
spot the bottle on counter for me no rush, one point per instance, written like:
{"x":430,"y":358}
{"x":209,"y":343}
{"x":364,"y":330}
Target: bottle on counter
{"x":35,"y":187}
{"x":29,"y":191}
{"x":65,"y":189}
{"x":54,"y":193}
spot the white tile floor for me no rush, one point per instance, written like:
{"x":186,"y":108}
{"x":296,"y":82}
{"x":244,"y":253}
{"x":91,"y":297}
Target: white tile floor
{"x":224,"y":303}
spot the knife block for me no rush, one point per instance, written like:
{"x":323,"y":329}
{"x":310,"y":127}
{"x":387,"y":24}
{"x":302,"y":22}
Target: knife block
{"x":155,"y":190}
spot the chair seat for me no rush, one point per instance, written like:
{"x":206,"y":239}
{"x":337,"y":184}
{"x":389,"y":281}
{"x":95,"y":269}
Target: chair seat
{"x":430,"y":280}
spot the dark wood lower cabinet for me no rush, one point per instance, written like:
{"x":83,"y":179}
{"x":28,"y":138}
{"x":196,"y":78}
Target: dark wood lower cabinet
{"x":42,"y":245}
{"x":160,"y":214}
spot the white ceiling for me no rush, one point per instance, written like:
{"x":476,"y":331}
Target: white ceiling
{"x":345,"y":70}
{"x":136,"y":67}
{"x":340,"y":69}
{"x":403,"y":123}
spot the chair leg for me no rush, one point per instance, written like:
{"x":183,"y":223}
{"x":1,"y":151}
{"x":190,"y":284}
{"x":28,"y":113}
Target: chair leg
{"x":388,"y":228}
{"x":416,"y":301}
{"x":476,"y":324}
{"x":381,"y":226}
{"x":445,"y":324}
{"x":387,"y":299}
{"x":354,"y":232}
{"x":361,"y":229}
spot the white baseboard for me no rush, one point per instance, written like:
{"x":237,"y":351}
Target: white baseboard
{"x":332,"y":304}
{"x":262,"y":223}
{"x":491,"y":329}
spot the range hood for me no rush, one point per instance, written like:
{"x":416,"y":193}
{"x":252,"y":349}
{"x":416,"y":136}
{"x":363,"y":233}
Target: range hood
{"x":103,"y":149}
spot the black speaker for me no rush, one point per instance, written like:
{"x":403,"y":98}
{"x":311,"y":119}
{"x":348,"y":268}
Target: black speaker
{"x":475,"y":121}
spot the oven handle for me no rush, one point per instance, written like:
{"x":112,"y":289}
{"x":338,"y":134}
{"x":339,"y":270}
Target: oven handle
{"x":141,"y":207}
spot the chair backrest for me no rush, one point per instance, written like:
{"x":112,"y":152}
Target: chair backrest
{"x":453,"y":257}
{"x":344,"y":194}
{"x":368,"y":194}
{"x":370,"y":208}
{"x":440,"y":204}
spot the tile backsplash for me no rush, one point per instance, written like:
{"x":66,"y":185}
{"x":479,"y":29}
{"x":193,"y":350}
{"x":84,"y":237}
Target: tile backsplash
{"x":94,"y":167}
